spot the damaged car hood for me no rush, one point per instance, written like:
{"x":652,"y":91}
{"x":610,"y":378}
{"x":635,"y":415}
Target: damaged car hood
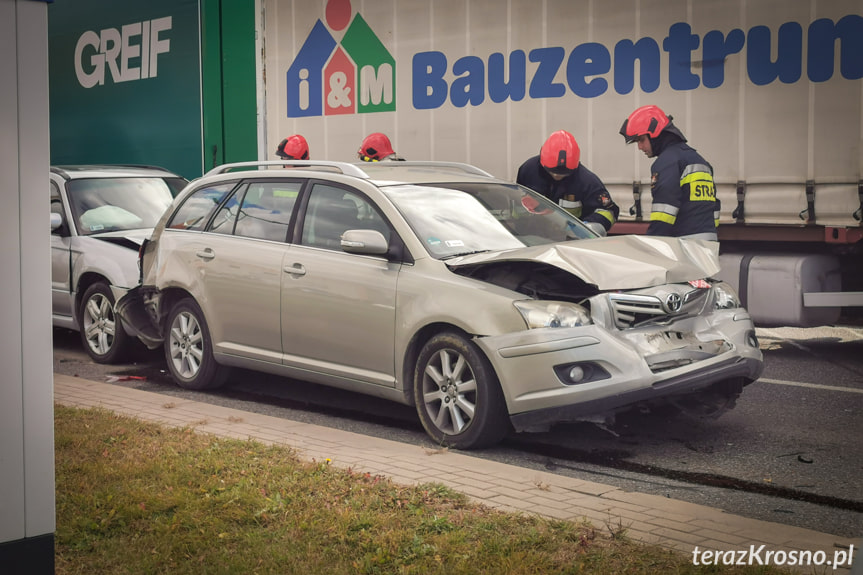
{"x":130,"y":238}
{"x":616,"y":262}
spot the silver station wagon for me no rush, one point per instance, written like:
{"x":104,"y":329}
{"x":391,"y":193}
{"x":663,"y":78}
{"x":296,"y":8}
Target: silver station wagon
{"x":436,"y":285}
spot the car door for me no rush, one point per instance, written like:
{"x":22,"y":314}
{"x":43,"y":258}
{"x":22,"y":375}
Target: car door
{"x":338,"y":309}
{"x":236,"y":264}
{"x":61,"y":262}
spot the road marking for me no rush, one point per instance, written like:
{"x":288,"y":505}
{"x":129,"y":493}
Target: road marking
{"x":810,"y":385}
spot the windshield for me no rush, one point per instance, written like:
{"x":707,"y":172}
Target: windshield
{"x":115,"y":204}
{"x":458,"y":219}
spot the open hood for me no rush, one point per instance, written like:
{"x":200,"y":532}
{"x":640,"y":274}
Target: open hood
{"x":615,"y":262}
{"x":131,"y":239}
{"x":136,"y":236}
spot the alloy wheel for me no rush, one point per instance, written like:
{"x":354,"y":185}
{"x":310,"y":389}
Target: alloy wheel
{"x":186,"y":345}
{"x":99,"y":325}
{"x":449,"y":391}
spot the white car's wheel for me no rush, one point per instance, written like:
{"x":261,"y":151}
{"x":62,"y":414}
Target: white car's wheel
{"x":102,"y":332}
{"x":189,"y":349}
{"x":457,"y":393}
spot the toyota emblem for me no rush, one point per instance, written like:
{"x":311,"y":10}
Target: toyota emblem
{"x":673,"y":303}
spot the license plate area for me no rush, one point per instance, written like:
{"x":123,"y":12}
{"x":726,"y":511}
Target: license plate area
{"x":669,"y":349}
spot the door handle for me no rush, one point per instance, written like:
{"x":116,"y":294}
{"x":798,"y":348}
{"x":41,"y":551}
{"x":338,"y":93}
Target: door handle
{"x":206,"y":254}
{"x":296,"y":269}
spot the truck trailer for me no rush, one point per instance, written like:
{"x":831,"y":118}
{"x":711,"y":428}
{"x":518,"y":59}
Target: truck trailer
{"x":768,"y":91}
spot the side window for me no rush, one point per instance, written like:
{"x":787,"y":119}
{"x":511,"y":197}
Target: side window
{"x":266,"y":210}
{"x":198,"y":207}
{"x":226,"y":217}
{"x":332,"y":211}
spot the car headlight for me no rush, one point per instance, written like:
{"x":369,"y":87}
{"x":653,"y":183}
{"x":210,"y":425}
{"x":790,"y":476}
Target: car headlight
{"x":552,"y":314}
{"x":724,"y":296}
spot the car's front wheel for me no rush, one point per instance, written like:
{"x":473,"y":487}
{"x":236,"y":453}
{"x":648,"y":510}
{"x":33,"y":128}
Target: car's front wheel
{"x":457,"y":393}
{"x":102,"y":332}
{"x":189,"y":349}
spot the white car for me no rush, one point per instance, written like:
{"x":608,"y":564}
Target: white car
{"x":477,"y":300}
{"x":99,"y":217}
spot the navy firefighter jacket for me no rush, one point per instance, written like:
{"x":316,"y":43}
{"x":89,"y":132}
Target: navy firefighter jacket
{"x":581,"y":193}
{"x":684,"y":195}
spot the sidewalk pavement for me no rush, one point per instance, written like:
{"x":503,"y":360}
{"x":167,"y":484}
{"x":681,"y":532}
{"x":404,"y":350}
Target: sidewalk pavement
{"x":673,"y":524}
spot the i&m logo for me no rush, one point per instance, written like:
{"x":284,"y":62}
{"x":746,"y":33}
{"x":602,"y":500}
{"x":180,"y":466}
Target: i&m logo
{"x":356,"y":75}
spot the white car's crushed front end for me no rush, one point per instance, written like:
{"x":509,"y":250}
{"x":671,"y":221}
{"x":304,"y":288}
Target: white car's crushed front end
{"x":111,"y":255}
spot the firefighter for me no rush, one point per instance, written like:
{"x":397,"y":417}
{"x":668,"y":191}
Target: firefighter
{"x":557,"y":174}
{"x":681,"y":183}
{"x":377,"y":147}
{"x":293,"y":148}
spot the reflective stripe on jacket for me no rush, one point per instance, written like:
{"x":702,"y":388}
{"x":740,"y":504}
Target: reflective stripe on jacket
{"x":684,"y":194}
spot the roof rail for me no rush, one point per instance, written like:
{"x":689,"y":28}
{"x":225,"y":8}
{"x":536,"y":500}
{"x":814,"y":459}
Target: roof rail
{"x":342,"y":167}
{"x":145,"y":166}
{"x":460,"y":166}
{"x":60,"y":172}
{"x":66,"y":175}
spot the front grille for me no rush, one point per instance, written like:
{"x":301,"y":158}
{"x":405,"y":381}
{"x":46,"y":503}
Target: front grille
{"x":632,"y":310}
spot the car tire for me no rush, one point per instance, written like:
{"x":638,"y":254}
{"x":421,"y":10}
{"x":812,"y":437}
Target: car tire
{"x":711,"y":403}
{"x":457,"y":394}
{"x":189,"y":348}
{"x":102,"y":333}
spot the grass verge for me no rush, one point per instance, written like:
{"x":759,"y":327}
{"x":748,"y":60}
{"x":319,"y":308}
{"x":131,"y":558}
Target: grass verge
{"x":135,"y":497}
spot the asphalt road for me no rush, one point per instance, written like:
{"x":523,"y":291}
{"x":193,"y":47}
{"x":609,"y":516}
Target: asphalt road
{"x":790,"y":452}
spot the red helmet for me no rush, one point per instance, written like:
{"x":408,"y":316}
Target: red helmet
{"x":649,"y":120}
{"x":293,"y":148}
{"x":560,"y":153}
{"x":375,"y":147}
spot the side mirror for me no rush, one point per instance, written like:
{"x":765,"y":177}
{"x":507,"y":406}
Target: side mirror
{"x":596,"y":228}
{"x":364,"y":242}
{"x":56,"y":221}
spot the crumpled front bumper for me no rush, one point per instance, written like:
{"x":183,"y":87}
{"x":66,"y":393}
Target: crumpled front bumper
{"x":625,"y":367}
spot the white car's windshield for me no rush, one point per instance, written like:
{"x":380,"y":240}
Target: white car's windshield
{"x":114,"y":204}
{"x":458,"y":219}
